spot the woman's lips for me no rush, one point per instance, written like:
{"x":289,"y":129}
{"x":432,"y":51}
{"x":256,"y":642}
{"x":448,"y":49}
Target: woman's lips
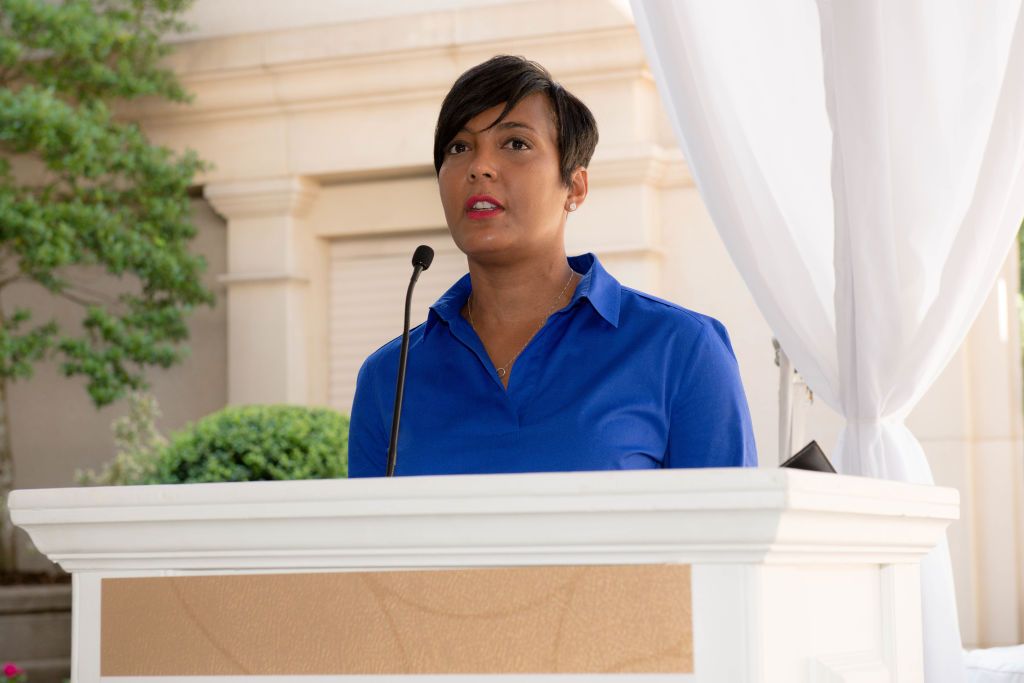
{"x":480,"y":214}
{"x":483,"y":213}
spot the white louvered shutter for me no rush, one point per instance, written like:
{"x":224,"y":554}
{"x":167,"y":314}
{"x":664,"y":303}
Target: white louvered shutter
{"x":368,"y":279}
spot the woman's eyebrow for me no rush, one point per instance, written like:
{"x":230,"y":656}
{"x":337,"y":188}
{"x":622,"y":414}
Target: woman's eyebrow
{"x":504,"y":125}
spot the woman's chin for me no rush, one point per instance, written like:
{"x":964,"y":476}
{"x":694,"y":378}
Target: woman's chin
{"x":493,"y":253}
{"x":485,"y":242}
{"x":488,"y":254}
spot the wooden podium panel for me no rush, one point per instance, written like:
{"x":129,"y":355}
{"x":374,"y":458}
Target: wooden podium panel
{"x":583,"y":619}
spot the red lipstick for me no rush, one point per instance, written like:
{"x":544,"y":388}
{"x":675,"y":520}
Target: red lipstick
{"x":484,"y":211}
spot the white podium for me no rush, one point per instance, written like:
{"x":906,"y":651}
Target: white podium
{"x":715,"y":576}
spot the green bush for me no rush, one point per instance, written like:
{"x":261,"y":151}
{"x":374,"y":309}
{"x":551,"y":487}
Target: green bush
{"x":252,"y":443}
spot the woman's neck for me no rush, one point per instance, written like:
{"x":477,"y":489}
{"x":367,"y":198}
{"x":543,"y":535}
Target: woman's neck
{"x":519,"y":293}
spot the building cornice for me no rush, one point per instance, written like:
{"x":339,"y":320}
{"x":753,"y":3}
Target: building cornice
{"x":455,"y":27}
{"x":382,"y":79}
{"x":365,"y":63}
{"x":646,"y":164}
{"x":287,"y":196}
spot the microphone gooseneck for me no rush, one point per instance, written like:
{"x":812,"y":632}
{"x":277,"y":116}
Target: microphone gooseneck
{"x":421,"y":260}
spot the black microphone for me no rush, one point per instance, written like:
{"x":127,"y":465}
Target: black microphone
{"x":421,"y":260}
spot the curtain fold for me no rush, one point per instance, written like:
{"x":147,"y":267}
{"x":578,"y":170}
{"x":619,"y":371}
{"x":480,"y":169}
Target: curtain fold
{"x":862,"y":162}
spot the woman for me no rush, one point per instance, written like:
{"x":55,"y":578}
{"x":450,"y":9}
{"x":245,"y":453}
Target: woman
{"x":535,"y":361}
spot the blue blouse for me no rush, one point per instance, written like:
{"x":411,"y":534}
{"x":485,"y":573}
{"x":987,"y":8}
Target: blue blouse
{"x":617,"y":379}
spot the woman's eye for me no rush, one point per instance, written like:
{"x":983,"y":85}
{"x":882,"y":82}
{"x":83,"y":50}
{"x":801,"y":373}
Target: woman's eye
{"x":456,"y":148}
{"x":518,"y":144}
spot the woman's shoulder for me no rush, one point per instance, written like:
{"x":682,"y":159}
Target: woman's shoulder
{"x":641,"y":308}
{"x":694,"y":347}
{"x":386,"y":355}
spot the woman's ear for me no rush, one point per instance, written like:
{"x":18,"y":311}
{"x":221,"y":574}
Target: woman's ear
{"x":577,"y":189}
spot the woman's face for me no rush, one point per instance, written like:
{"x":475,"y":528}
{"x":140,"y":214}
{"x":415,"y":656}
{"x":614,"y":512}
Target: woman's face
{"x":501,"y":187}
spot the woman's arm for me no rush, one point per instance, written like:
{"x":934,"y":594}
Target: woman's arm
{"x":710,"y":421}
{"x":367,"y":438}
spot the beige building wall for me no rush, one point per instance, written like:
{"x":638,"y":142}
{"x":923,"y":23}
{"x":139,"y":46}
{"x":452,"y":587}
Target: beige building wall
{"x":319,"y":117}
{"x":970,"y":425}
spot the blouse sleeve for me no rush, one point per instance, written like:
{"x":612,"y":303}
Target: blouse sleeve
{"x":710,"y":421}
{"x":367,"y":437}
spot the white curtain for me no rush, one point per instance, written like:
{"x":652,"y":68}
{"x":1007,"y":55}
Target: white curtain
{"x":862,"y":161}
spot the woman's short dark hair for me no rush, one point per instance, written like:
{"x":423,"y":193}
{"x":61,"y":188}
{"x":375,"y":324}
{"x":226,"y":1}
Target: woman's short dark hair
{"x":508,"y":79}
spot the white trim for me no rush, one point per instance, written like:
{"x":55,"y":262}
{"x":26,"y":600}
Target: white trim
{"x":687,"y":516}
{"x":858,"y":667}
{"x":85,"y":627}
{"x":727,"y":618}
{"x":261,"y":278}
{"x":902,"y":636}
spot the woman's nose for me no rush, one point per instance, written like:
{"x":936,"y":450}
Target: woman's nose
{"x":482,"y":166}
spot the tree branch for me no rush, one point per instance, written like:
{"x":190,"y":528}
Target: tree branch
{"x":11,"y":279}
{"x":102,"y":298}
{"x":77,"y":299}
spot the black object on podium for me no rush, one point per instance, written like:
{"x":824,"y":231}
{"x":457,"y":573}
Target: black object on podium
{"x":810,"y":457}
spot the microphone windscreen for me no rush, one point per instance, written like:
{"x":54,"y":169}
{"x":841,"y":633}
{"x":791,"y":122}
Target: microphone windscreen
{"x":423,"y":256}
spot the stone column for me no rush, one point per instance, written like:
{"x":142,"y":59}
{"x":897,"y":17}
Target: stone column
{"x":276,"y":284}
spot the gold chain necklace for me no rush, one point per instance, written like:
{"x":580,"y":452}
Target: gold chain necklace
{"x":504,"y":369}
